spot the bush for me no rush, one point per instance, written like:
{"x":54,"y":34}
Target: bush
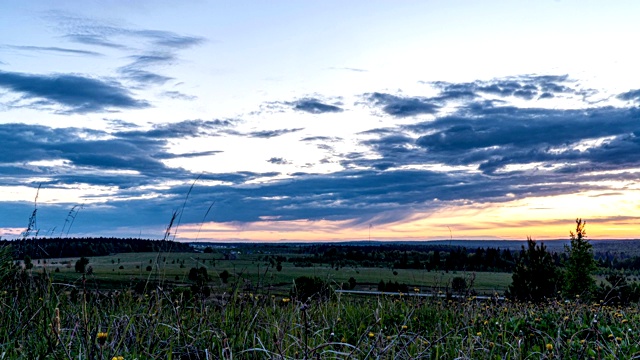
{"x":459,"y":285}
{"x":81,"y":264}
{"x":306,"y":288}
{"x":198,"y":275}
{"x":535,"y":277}
{"x":224,"y":276}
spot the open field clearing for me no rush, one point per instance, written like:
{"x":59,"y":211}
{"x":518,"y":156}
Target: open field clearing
{"x":174,"y":268}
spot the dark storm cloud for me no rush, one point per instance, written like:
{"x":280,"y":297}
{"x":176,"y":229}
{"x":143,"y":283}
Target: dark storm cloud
{"x":76,"y":94}
{"x":402,"y":106}
{"x":314,"y":106}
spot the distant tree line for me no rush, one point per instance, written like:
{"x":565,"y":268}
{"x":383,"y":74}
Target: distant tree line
{"x":426,"y":257}
{"x":439,"y":258}
{"x":46,"y":248}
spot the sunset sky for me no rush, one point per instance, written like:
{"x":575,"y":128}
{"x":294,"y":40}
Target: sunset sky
{"x":320,"y":120}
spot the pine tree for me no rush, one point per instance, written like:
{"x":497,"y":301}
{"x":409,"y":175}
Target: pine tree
{"x":580,"y":264}
{"x":535,"y":277}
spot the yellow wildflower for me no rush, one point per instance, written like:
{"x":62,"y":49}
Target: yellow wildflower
{"x":404,"y":327}
{"x":371,"y":334}
{"x":549,"y":347}
{"x":102,"y":338}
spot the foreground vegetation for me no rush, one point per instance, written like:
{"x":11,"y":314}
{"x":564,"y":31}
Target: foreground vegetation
{"x":231,"y":305}
{"x":42,"y":319}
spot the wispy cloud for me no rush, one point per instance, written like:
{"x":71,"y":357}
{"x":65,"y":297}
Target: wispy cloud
{"x":52,"y":49}
{"x":314,"y":106}
{"x":402,"y":106}
{"x":632,"y":95}
{"x":74,"y":93}
{"x":266,"y":134}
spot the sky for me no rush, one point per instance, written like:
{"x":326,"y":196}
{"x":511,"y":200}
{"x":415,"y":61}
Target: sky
{"x":319,"y":121}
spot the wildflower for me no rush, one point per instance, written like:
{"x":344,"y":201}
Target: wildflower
{"x":404,"y":327}
{"x":371,"y":334}
{"x":102,"y":338}
{"x":624,"y":321}
{"x":285,"y":300}
{"x":344,"y":340}
{"x":117,"y":358}
{"x":583,"y":341}
{"x":610,"y":336}
{"x":618,"y":339}
{"x":416,"y":290}
{"x":566,"y":318}
{"x":549,"y":347}
{"x":491,"y":344}
{"x":479,"y":333}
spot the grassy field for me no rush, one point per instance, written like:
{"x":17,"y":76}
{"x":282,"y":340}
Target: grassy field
{"x":52,"y":312}
{"x":174,"y":267}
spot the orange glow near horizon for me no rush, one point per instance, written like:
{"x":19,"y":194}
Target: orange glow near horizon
{"x":608,"y":216}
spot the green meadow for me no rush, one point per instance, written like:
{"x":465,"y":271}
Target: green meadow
{"x":115,"y":271}
{"x":146,"y":306}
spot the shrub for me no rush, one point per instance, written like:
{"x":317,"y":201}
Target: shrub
{"x":306,"y":288}
{"x":535,"y":276}
{"x":459,"y":284}
{"x":580,"y":264}
{"x":198,"y":274}
{"x":81,"y":264}
{"x":224,"y":276}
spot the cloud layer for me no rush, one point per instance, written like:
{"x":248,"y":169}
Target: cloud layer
{"x":470,"y":143}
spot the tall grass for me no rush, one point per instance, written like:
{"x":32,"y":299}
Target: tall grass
{"x":43,"y":319}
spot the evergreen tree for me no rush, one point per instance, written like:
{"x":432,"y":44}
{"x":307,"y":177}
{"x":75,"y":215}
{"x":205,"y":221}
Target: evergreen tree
{"x":535,"y":276}
{"x":580,"y":264}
